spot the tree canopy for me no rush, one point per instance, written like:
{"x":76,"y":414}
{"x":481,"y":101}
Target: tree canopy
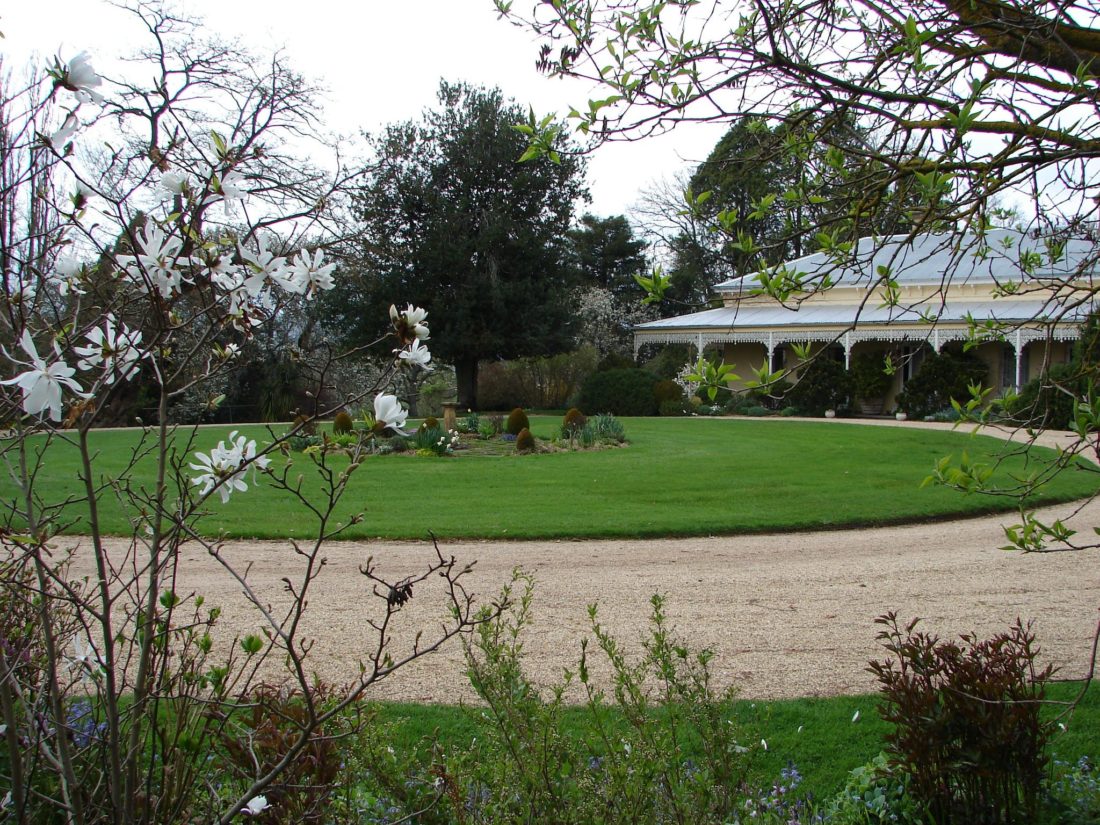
{"x":449,"y":217}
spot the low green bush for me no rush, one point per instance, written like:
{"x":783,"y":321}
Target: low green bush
{"x":667,"y":390}
{"x":620,"y":392}
{"x":1047,"y":401}
{"x":674,"y":406}
{"x":517,"y":422}
{"x":942,"y":377}
{"x":607,"y":428}
{"x":823,"y":385}
{"x":628,"y":764}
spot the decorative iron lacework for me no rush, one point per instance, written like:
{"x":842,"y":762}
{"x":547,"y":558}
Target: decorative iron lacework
{"x":937,"y":337}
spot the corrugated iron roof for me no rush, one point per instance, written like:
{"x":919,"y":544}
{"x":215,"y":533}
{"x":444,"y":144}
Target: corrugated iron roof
{"x":997,"y":257}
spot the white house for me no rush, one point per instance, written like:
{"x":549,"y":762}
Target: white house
{"x":1028,"y":296}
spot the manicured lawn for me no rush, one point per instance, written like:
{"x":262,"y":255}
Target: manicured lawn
{"x":677,"y":477}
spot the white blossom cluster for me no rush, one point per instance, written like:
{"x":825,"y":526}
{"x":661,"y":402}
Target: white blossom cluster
{"x":162,"y":265}
{"x":224,"y":469}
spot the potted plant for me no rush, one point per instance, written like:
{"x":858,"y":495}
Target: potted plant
{"x":870,"y":381}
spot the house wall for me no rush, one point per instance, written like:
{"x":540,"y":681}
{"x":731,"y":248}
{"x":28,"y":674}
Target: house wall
{"x":745,"y":358}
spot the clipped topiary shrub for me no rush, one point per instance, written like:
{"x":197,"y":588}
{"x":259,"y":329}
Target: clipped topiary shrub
{"x":517,"y":422}
{"x":304,"y":425}
{"x":525,"y":442}
{"x":342,"y":423}
{"x":430,"y":423}
{"x":620,"y":392}
{"x":573,"y":422}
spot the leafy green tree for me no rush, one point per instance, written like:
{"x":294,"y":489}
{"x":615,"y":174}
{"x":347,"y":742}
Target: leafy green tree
{"x":606,"y":253}
{"x":448,"y":216}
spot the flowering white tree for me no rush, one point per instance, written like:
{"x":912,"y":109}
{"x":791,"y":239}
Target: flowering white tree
{"x":147,"y":229}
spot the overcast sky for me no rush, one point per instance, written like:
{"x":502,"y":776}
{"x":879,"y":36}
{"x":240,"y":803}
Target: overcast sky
{"x":381,"y":61}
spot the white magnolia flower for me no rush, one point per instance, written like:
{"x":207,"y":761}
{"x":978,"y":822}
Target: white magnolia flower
{"x":389,"y":413}
{"x":63,"y":136}
{"x":157,"y":261}
{"x":81,"y":79}
{"x":256,"y":805}
{"x":308,"y":275}
{"x":42,"y":383}
{"x":409,"y":323}
{"x":174,"y":183}
{"x":117,"y":351}
{"x":264,"y":266}
{"x":416,"y":355}
{"x":82,"y":193}
{"x":224,"y":468}
{"x":66,"y":276}
{"x":229,"y":188}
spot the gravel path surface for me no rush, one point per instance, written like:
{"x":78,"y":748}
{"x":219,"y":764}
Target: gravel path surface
{"x":787,"y":614}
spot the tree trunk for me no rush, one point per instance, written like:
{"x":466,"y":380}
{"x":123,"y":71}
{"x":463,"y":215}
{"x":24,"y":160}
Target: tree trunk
{"x":466,"y":377}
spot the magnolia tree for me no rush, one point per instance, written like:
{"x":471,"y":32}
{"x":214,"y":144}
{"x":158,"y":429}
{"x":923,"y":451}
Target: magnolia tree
{"x":147,"y":231}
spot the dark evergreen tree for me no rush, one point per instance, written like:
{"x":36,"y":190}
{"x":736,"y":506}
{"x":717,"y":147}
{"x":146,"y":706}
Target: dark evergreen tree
{"x":607,"y":254}
{"x":452,"y":222}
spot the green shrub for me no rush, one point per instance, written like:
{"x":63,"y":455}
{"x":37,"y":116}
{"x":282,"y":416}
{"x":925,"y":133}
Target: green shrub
{"x":525,"y":441}
{"x":772,"y":397}
{"x":668,"y":390}
{"x":966,"y":722}
{"x":823,"y":385}
{"x":757,"y":411}
{"x":628,"y":763}
{"x":787,"y":412}
{"x":470,"y":423}
{"x":615,"y":361}
{"x":1047,"y":401}
{"x":342,"y":423}
{"x":431,"y":423}
{"x":299,"y":443}
{"x":426,"y":437}
{"x":673,"y":407}
{"x":546,"y":382}
{"x":304,"y":425}
{"x":621,"y":392}
{"x":875,"y":794}
{"x":517,"y":422}
{"x":486,"y":429}
{"x":942,"y":377}
{"x":869,"y":379}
